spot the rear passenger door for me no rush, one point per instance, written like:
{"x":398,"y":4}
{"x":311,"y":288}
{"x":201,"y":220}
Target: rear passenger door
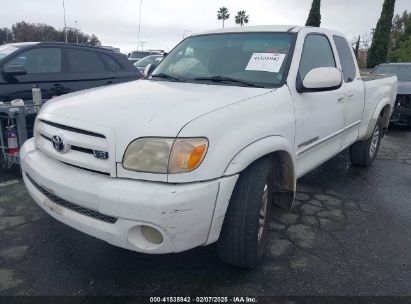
{"x":85,"y":69}
{"x":353,"y":98}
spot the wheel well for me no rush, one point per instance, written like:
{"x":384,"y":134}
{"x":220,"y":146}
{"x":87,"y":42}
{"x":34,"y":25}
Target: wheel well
{"x":385,"y":116}
{"x":285,"y":183}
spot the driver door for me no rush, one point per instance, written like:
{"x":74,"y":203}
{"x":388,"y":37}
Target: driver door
{"x":319,"y":113}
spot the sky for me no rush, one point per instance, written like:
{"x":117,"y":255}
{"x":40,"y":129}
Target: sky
{"x":165,"y":22}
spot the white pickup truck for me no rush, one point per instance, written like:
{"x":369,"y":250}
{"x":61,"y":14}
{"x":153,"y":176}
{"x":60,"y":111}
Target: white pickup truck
{"x":199,"y":151}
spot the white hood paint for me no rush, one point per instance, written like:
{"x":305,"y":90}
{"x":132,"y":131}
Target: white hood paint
{"x":149,"y":108}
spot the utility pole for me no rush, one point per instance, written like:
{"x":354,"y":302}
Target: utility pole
{"x":65,"y":26}
{"x":139,"y":26}
{"x":76,"y":31}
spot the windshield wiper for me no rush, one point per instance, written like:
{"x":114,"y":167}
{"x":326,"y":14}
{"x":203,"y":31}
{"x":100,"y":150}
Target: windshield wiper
{"x":167,"y":76}
{"x":228,"y":79}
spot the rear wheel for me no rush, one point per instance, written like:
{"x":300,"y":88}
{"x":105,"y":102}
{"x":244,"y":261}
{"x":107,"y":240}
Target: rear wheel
{"x":363,"y":153}
{"x":244,"y":233}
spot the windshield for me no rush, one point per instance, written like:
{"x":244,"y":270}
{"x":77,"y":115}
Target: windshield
{"x":6,"y":50}
{"x":403,"y":72}
{"x":257,"y":59}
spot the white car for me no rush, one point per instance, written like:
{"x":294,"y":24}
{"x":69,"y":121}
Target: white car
{"x":144,"y":62}
{"x":198,"y":152}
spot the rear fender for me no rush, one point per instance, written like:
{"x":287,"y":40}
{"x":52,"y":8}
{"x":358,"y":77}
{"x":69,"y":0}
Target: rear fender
{"x":384,"y":108}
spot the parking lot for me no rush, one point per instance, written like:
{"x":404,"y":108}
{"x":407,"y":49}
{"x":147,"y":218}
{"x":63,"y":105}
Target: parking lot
{"x":348,"y":234}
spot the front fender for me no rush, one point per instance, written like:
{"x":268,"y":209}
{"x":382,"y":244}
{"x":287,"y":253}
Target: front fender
{"x":284,"y":169}
{"x":256,"y":150}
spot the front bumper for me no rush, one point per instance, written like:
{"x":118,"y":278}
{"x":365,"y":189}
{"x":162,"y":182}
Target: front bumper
{"x":187,"y":215}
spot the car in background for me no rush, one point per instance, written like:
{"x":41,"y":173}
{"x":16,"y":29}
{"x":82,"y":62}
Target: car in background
{"x":137,"y":55}
{"x":402,"y":111}
{"x":151,"y":59}
{"x":59,"y":68}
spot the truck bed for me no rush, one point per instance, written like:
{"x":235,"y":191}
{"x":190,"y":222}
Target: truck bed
{"x":376,"y":89}
{"x":370,"y":77}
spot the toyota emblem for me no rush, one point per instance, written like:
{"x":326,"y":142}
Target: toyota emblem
{"x":58,"y":143}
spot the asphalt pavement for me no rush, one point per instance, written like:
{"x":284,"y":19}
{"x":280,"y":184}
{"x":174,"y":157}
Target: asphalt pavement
{"x":349,"y":233}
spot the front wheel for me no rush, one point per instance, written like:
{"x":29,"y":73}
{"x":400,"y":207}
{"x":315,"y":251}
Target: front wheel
{"x":363,"y":153}
{"x":244,"y":233}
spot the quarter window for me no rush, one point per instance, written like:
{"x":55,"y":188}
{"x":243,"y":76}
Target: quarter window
{"x":84,"y":61}
{"x":39,"y":60}
{"x":111,"y":63}
{"x":346,"y":58}
{"x":317,"y":53}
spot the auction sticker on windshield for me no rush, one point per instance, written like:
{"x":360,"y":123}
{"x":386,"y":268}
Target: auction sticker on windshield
{"x":267,"y":62}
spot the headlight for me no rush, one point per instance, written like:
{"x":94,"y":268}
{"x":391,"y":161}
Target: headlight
{"x":165,"y":155}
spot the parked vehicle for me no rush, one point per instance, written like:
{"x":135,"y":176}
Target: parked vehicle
{"x":137,"y":55}
{"x":402,"y":110}
{"x":198,"y":152}
{"x":59,"y":68}
{"x":151,"y":59}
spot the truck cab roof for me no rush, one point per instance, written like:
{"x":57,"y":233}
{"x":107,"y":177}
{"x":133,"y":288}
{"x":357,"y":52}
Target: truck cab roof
{"x":268,"y":28}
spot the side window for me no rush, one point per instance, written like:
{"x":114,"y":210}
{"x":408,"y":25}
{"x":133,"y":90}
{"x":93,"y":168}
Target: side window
{"x":81,"y":61}
{"x":40,"y":60}
{"x":346,"y":58}
{"x":317,"y":53}
{"x":111,"y":63}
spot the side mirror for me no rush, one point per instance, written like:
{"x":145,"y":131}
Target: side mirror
{"x":14,"y":70}
{"x":322,"y":79}
{"x":149,"y":69}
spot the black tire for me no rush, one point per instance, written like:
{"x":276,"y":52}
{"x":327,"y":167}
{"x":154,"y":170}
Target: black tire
{"x":361,"y":151}
{"x":239,"y":243}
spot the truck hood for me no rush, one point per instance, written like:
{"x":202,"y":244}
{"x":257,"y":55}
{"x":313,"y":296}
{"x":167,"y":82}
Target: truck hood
{"x":146,"y":107}
{"x":404,"y":87}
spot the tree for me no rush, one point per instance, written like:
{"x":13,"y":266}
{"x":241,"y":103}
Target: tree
{"x":94,"y":41}
{"x":400,"y":29}
{"x":241,"y":18}
{"x":381,"y":40}
{"x":314,"y":17}
{"x":403,"y":53}
{"x":222,"y":14}
{"x":357,"y":46}
{"x":23,"y":31}
{"x":6,"y":35}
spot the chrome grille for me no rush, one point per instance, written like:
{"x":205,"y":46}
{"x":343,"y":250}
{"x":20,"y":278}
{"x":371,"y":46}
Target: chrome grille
{"x":71,"y":129}
{"x":84,"y":148}
{"x":73,"y":207}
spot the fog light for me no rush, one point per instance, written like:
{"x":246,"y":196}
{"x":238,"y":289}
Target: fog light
{"x":151,"y":234}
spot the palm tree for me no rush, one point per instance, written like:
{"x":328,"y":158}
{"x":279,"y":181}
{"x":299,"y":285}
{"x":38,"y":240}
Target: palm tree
{"x":222,"y":14}
{"x":241,"y":18}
